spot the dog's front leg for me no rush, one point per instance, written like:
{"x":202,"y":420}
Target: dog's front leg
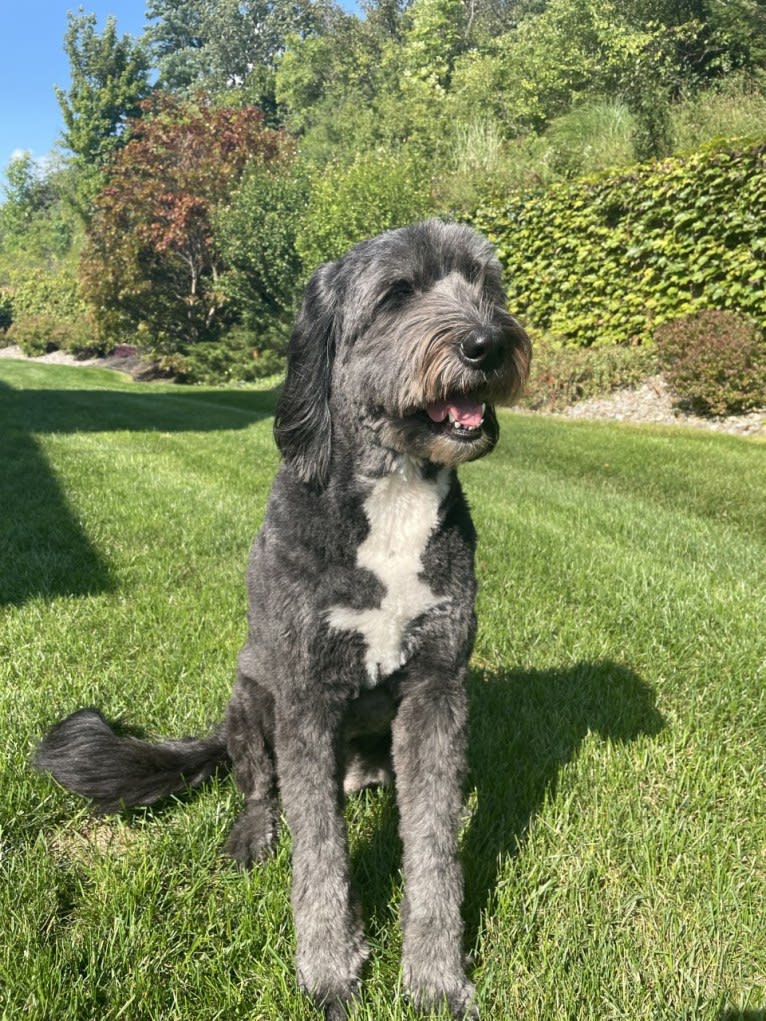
{"x":330,"y":945}
{"x":429,"y":746}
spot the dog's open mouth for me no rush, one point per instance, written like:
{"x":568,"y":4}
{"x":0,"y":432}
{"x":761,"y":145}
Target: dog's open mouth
{"x":460,"y":417}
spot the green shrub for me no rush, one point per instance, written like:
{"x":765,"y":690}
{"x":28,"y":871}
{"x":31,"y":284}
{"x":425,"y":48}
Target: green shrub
{"x":736,"y":106}
{"x":563,"y":376}
{"x":240,"y":355}
{"x":605,"y":260}
{"x":256,"y":238}
{"x":40,"y":291}
{"x":49,"y":313}
{"x":714,"y":361}
{"x":6,"y":310}
{"x":38,"y":333}
{"x":348,"y":203}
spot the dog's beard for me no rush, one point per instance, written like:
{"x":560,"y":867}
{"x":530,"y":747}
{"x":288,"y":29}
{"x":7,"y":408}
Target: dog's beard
{"x":446,"y":414}
{"x":450,"y":432}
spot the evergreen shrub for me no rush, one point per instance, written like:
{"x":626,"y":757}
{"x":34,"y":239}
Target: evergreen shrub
{"x":49,"y":313}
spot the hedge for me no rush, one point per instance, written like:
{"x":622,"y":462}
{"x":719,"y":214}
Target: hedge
{"x":605,"y":260}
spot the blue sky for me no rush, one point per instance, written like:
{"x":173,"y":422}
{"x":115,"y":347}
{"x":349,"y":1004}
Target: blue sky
{"x":32,"y":61}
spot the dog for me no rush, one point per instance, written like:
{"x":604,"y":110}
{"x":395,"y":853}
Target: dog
{"x":361,"y":592}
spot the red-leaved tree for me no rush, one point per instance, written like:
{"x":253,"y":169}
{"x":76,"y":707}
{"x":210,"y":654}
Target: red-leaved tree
{"x":149,"y":266}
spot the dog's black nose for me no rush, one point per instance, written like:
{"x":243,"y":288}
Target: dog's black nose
{"x":479,"y":348}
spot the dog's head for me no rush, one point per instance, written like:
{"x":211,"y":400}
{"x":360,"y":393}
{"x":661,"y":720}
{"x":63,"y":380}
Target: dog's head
{"x":407,"y":341}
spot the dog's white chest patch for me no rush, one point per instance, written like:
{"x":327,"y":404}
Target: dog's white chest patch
{"x":403,"y":511}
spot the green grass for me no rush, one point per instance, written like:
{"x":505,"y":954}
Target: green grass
{"x":615,"y":841}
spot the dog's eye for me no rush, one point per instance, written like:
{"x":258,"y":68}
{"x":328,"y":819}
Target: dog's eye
{"x":397,"y":293}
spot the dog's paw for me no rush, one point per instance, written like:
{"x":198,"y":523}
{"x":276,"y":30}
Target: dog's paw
{"x":333,"y":1004}
{"x":433,"y":980}
{"x":253,"y":836}
{"x":330,"y":972}
{"x":334,"y":1009}
{"x":460,"y":998}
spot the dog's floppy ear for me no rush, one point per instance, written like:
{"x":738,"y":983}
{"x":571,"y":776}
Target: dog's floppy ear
{"x":302,"y":425}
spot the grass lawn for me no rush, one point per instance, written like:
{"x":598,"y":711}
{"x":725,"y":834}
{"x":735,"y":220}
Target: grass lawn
{"x":615,"y":839}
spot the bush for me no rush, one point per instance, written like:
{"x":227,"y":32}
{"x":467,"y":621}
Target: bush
{"x":605,"y":260}
{"x":714,"y":361}
{"x":48,"y":313}
{"x":563,"y":376}
{"x":256,"y":237}
{"x":6,"y":310}
{"x":37,"y":334}
{"x":239,"y":356}
{"x":377,"y":191}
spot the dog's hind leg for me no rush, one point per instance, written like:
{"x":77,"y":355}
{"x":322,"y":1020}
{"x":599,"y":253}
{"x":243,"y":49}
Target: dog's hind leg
{"x":330,"y":944}
{"x":250,"y":740}
{"x":429,"y":747}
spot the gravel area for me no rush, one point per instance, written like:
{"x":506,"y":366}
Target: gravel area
{"x":650,"y":402}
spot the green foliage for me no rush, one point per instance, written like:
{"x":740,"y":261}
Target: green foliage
{"x":537,"y":70}
{"x":38,"y":333}
{"x":150,"y":264}
{"x":36,"y":224}
{"x":241,"y":355}
{"x":605,"y":260}
{"x":562,"y":376}
{"x":6,"y":309}
{"x":41,"y":292}
{"x":38,"y":241}
{"x":379,"y":190}
{"x":714,"y":361}
{"x":593,"y":135}
{"x":109,"y":78}
{"x":28,"y":192}
{"x":256,"y":235}
{"x":49,"y":313}
{"x":734,"y":107}
{"x":215,"y":47}
{"x":330,"y":86}
{"x":433,"y":37}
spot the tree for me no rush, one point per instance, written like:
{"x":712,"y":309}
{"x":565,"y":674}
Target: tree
{"x":230,"y":44}
{"x":150,"y":262}
{"x":256,"y":234}
{"x":176,"y":42}
{"x":27,"y":193}
{"x":110,"y":78}
{"x":35,"y":225}
{"x":327,"y":85}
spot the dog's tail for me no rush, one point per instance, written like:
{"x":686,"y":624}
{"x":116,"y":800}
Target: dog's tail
{"x":88,"y":757}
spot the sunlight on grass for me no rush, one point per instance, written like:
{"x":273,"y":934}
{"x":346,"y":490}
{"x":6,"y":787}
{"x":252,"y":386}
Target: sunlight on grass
{"x":615,"y":838}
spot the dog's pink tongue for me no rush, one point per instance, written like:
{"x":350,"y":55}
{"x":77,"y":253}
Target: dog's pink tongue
{"x":464,"y":411}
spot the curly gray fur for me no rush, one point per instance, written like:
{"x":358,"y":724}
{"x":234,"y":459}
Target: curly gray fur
{"x":361,"y":592}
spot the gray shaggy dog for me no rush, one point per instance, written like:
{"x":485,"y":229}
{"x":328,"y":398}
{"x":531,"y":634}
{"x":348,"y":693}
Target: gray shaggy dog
{"x":361,"y":592}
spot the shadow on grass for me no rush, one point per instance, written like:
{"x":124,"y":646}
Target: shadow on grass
{"x":43,"y":548}
{"x":525,"y":727}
